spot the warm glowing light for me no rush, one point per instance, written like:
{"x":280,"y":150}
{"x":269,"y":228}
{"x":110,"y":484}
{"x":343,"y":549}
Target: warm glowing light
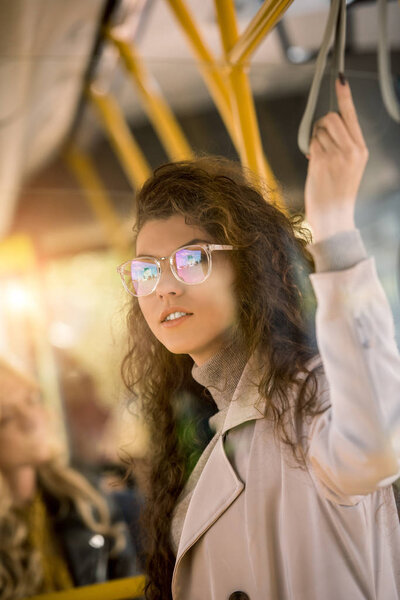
{"x":17,"y":297}
{"x":62,"y":335}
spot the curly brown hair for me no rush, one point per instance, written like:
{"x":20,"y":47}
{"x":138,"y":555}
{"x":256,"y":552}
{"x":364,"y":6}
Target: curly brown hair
{"x":275,"y":313}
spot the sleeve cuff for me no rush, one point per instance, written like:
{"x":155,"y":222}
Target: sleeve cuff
{"x":338,"y":252}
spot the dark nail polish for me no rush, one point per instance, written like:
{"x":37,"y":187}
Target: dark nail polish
{"x":342,"y":78}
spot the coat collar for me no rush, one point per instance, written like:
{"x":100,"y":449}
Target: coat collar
{"x":246,"y":403}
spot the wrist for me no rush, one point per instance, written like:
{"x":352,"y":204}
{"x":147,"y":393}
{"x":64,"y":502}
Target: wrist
{"x":322,"y":235}
{"x":339,"y":252}
{"x":327,"y":227}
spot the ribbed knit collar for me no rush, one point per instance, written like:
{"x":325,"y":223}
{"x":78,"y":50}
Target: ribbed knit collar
{"x":221,"y":373}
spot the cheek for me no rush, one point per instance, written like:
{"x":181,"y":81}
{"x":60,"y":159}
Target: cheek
{"x":13,"y":448}
{"x":149,"y":312}
{"x":216,"y":302}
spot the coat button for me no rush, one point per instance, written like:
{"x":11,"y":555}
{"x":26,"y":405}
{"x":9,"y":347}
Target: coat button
{"x":239,"y":596}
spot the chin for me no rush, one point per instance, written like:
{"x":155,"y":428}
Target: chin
{"x":178,"y":348}
{"x":41,"y":458}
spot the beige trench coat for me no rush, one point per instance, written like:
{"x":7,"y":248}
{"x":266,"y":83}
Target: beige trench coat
{"x":258,"y":525}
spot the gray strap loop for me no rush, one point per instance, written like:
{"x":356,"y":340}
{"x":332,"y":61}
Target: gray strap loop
{"x":335,"y":26}
{"x":390,"y":100}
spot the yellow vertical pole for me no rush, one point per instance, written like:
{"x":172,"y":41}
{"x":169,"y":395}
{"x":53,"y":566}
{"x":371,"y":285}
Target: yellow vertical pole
{"x":241,"y":98}
{"x":131,"y":157}
{"x":211,"y":73}
{"x":85,"y":172}
{"x":162,"y":118}
{"x":242,"y":102}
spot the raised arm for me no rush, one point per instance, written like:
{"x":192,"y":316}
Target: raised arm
{"x":355,"y":446}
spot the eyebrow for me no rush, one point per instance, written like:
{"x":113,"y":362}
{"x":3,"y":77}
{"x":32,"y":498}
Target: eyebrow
{"x":194,"y":241}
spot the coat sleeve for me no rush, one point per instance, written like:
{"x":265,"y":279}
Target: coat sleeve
{"x":354,"y":447}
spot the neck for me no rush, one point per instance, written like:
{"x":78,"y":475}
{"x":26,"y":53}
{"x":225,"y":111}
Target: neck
{"x":204,"y":355}
{"x":221,"y":373}
{"x":22,"y":482}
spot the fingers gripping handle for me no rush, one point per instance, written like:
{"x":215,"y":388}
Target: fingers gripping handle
{"x":335,"y":26}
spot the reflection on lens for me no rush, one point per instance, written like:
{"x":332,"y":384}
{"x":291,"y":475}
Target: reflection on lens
{"x":143,"y":276}
{"x":191,"y":264}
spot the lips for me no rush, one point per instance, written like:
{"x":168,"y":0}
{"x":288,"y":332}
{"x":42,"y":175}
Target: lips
{"x":173,"y":309}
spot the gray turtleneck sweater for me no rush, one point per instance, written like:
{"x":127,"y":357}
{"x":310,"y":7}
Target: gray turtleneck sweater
{"x":221,"y":373}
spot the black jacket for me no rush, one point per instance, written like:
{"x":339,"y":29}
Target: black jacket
{"x":88,"y":554}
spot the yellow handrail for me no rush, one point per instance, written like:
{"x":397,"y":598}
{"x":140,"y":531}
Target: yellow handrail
{"x":96,"y":194}
{"x":159,"y":113}
{"x":266,"y":18}
{"x":119,"y":589}
{"x":131,"y":157}
{"x":243,"y":109}
{"x":227,"y":82}
{"x":212,"y":73}
{"x":242,"y":104}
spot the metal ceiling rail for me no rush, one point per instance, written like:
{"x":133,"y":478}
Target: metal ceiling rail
{"x":130,"y":155}
{"x":243,"y":112}
{"x":266,"y":18}
{"x":119,"y":589}
{"x":243,"y":108}
{"x":211,"y":71}
{"x":158,"y":111}
{"x":96,"y":194}
{"x":229,"y":84}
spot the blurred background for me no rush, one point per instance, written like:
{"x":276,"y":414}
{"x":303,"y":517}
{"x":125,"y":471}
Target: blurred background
{"x":81,"y":85}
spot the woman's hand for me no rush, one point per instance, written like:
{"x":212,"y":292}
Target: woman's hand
{"x":337,"y":159}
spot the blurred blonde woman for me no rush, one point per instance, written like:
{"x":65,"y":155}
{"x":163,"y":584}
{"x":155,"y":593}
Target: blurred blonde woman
{"x":56,"y":530}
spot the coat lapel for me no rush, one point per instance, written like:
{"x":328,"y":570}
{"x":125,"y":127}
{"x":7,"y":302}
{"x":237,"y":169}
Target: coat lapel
{"x":217,"y":488}
{"x":246,"y":404}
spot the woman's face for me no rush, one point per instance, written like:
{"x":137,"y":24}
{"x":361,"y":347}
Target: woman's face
{"x":210,"y":306}
{"x":23,"y":426}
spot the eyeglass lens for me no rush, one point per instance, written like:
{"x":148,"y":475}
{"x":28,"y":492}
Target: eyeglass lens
{"x":143,"y":277}
{"x":190,"y":264}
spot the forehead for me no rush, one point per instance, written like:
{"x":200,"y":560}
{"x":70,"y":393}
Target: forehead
{"x":159,"y":237}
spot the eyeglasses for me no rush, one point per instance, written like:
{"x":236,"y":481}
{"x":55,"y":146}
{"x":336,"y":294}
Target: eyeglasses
{"x":190,"y":265}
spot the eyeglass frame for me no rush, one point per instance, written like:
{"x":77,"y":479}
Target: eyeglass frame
{"x":208,"y":248}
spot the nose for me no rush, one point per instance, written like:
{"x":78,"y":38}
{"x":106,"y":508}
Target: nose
{"x":168,"y":284}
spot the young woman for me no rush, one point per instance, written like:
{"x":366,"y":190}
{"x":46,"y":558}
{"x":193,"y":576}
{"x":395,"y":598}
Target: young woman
{"x":56,"y":530}
{"x":291,"y":499}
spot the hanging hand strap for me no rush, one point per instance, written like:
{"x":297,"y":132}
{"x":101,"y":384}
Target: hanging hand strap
{"x":390,"y":100}
{"x":335,"y":26}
